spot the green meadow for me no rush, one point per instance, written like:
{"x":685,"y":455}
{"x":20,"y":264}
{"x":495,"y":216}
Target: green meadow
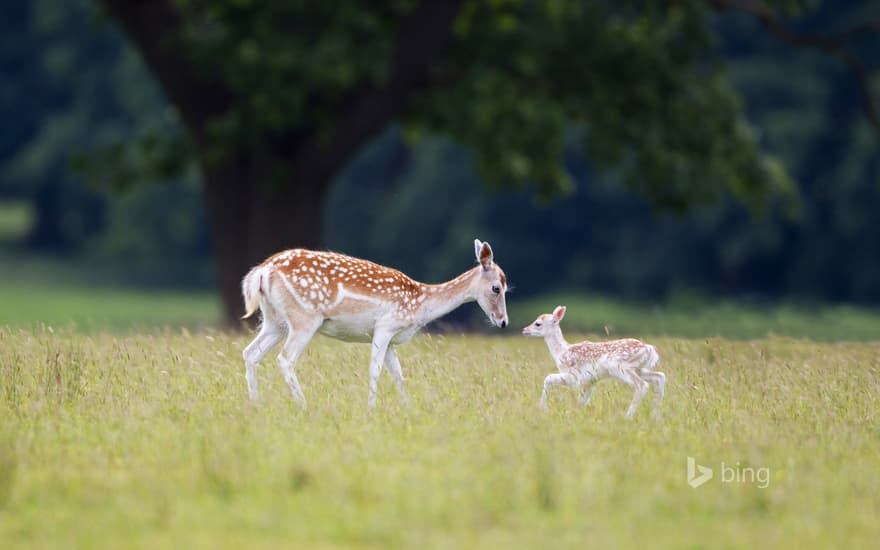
{"x":122,"y":310}
{"x":97,"y":309}
{"x":124,"y":422}
{"x":148,"y":440}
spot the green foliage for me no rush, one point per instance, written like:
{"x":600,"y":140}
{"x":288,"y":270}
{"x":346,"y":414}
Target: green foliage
{"x":632,"y":76}
{"x":16,"y":218}
{"x":290,"y":63}
{"x":152,"y":157}
{"x":601,"y":239}
{"x":149,"y":441}
{"x":94,"y":122}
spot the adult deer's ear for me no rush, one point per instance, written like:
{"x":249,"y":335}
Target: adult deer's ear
{"x":484,"y":254}
{"x":559,"y":312}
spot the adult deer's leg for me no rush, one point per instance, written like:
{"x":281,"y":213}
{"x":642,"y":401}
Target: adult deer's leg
{"x":297,"y":340}
{"x":378,"y":350}
{"x":393,"y":364}
{"x":270,"y":334}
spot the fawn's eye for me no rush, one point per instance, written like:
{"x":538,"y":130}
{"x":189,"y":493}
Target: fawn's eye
{"x":496,"y":289}
{"x":537,"y":323}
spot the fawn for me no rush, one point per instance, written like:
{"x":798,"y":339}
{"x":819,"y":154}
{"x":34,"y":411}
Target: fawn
{"x":628,"y":360}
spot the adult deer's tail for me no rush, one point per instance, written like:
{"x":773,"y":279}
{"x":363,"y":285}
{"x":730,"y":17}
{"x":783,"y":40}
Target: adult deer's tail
{"x":252,"y":288}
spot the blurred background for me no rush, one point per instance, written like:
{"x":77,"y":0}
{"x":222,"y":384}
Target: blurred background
{"x":687,"y":168}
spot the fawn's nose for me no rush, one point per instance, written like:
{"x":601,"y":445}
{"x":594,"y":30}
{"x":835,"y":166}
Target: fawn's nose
{"x":503,"y":323}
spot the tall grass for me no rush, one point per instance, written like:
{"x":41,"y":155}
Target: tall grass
{"x":149,"y":441}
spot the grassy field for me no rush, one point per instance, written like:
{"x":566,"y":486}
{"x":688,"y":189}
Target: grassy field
{"x":36,"y":291}
{"x":124,"y":310}
{"x":146,"y":441}
{"x":117,"y":309}
{"x":704,"y":318}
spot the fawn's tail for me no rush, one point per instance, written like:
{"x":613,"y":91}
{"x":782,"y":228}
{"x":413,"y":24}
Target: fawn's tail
{"x":653,"y":358}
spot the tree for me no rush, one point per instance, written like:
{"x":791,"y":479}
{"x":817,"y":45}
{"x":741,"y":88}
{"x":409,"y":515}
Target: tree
{"x":275,"y":98}
{"x":39,"y":129}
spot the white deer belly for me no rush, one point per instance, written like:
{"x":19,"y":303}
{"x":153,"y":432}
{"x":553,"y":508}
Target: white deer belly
{"x":349,"y":328}
{"x":353,"y":317}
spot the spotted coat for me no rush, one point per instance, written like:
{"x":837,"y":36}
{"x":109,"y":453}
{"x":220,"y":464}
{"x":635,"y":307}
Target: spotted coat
{"x":301,"y":292}
{"x":583,"y":364}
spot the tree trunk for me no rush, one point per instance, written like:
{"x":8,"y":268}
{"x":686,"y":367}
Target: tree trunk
{"x":253,"y":215}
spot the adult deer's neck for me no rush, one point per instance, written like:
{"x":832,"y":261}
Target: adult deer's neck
{"x":556,"y":343}
{"x":443,"y":298}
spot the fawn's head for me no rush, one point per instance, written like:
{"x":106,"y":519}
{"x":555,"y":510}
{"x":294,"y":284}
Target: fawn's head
{"x":545,"y":323}
{"x":492,"y":285}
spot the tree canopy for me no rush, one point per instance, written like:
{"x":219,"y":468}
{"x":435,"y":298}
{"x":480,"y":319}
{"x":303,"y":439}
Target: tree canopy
{"x":511,"y":80}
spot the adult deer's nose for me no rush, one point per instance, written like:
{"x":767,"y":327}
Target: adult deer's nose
{"x":503,"y":323}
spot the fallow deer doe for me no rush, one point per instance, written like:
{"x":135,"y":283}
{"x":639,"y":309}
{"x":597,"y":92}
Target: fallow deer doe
{"x":583,"y":364}
{"x":301,"y":292}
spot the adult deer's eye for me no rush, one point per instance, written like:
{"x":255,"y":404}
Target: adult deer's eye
{"x":496,"y":289}
{"x":537,"y":323}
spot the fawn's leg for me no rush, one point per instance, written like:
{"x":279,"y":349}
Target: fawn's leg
{"x":556,"y":379}
{"x":658,"y":380}
{"x":633,"y":380}
{"x":584,"y":399}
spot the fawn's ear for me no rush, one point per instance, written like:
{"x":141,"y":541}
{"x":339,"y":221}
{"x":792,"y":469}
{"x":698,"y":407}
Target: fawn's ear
{"x":559,"y":312}
{"x":484,"y":254}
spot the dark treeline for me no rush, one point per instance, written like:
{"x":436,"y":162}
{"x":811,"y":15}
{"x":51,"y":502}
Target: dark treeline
{"x":71,"y":86}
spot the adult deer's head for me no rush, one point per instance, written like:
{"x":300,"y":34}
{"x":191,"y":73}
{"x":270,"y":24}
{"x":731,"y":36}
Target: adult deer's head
{"x":492,"y":285}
